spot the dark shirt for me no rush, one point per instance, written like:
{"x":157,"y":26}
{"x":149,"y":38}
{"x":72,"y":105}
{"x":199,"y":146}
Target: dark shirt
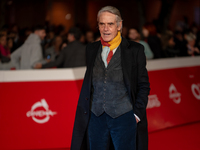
{"x":71,"y":56}
{"x":155,"y":45}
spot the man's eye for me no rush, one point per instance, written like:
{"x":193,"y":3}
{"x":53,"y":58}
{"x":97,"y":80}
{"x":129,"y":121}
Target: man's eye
{"x":111,"y":24}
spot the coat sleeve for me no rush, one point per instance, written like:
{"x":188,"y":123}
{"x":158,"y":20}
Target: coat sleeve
{"x":15,"y":57}
{"x":36,"y":55}
{"x":142,"y":88}
{"x":79,"y":136}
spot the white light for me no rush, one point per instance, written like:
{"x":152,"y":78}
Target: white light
{"x":68,"y":16}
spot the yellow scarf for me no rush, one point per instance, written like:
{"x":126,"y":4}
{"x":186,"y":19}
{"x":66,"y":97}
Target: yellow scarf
{"x":115,"y":42}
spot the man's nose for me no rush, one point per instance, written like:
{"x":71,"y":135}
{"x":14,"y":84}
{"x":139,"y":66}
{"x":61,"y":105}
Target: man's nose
{"x":106,"y":27}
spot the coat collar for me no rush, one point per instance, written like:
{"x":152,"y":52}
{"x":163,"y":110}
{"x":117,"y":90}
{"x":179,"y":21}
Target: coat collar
{"x":95,"y":49}
{"x":124,"y":43}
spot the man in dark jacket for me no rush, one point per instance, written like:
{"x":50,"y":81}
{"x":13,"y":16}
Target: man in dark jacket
{"x":73,"y":55}
{"x":114,"y":95}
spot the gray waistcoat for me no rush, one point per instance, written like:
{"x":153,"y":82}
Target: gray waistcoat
{"x":109,"y":92}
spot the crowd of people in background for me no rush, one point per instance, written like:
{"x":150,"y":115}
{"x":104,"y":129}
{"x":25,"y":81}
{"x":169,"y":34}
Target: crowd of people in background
{"x":50,"y":46}
{"x":180,"y":42}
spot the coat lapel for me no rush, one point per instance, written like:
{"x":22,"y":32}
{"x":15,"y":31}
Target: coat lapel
{"x":94,"y":51}
{"x":127,"y":62}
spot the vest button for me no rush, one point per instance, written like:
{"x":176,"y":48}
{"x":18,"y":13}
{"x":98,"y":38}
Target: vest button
{"x":86,"y":98}
{"x":85,"y":112}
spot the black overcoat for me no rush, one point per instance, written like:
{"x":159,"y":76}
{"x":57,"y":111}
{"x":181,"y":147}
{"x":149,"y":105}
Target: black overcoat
{"x":136,"y":80}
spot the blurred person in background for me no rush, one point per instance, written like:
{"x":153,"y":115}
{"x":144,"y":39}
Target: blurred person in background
{"x":150,"y":36}
{"x":4,"y":31}
{"x":28,"y":31}
{"x":168,"y":45}
{"x":195,"y":30}
{"x":5,"y":63}
{"x":179,"y":41}
{"x":134,"y":35}
{"x":23,"y":35}
{"x":49,"y":39}
{"x":73,"y":55}
{"x":82,"y":39}
{"x":182,"y":24}
{"x":15,"y":28}
{"x":10,"y":44}
{"x":16,"y":43}
{"x":124,"y":32}
{"x":191,"y":49}
{"x":30,"y":53}
{"x":4,"y":51}
{"x":198,"y":40}
{"x":52,"y":53}
{"x":89,"y":37}
{"x":18,"y":35}
{"x":97,"y":36}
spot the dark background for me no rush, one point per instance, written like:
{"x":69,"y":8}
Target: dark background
{"x":135,"y":13}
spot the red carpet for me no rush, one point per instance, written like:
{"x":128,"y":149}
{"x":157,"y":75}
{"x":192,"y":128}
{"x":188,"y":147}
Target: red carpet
{"x":186,"y":137}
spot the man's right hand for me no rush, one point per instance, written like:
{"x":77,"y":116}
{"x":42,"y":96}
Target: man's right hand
{"x":38,"y":66}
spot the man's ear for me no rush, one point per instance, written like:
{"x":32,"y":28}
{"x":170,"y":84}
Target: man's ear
{"x":120,"y":26}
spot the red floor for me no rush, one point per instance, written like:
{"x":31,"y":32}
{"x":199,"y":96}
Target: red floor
{"x":185,"y":137}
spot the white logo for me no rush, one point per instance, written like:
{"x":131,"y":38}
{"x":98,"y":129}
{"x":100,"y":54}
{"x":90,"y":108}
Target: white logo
{"x":174,"y":94}
{"x":196,"y":90}
{"x":40,"y":113}
{"x":153,"y":101}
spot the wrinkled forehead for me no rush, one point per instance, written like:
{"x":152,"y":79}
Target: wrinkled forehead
{"x":107,"y":17}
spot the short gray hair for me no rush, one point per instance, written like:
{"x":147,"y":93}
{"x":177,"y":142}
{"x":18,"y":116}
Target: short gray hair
{"x":112,"y":10}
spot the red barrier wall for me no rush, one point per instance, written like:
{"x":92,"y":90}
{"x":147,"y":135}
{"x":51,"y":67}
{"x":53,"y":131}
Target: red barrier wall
{"x":174,"y":97}
{"x":37,"y":107}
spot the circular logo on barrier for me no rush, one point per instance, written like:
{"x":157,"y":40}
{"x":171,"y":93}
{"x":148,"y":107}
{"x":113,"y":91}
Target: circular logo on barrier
{"x":40,"y":116}
{"x":174,"y":94}
{"x":196,"y":91}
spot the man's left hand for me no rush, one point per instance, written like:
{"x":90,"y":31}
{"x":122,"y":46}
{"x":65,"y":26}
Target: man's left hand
{"x":136,"y":120}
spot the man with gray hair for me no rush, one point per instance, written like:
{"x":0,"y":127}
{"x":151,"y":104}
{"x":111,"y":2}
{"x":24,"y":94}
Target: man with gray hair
{"x":111,"y":111}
